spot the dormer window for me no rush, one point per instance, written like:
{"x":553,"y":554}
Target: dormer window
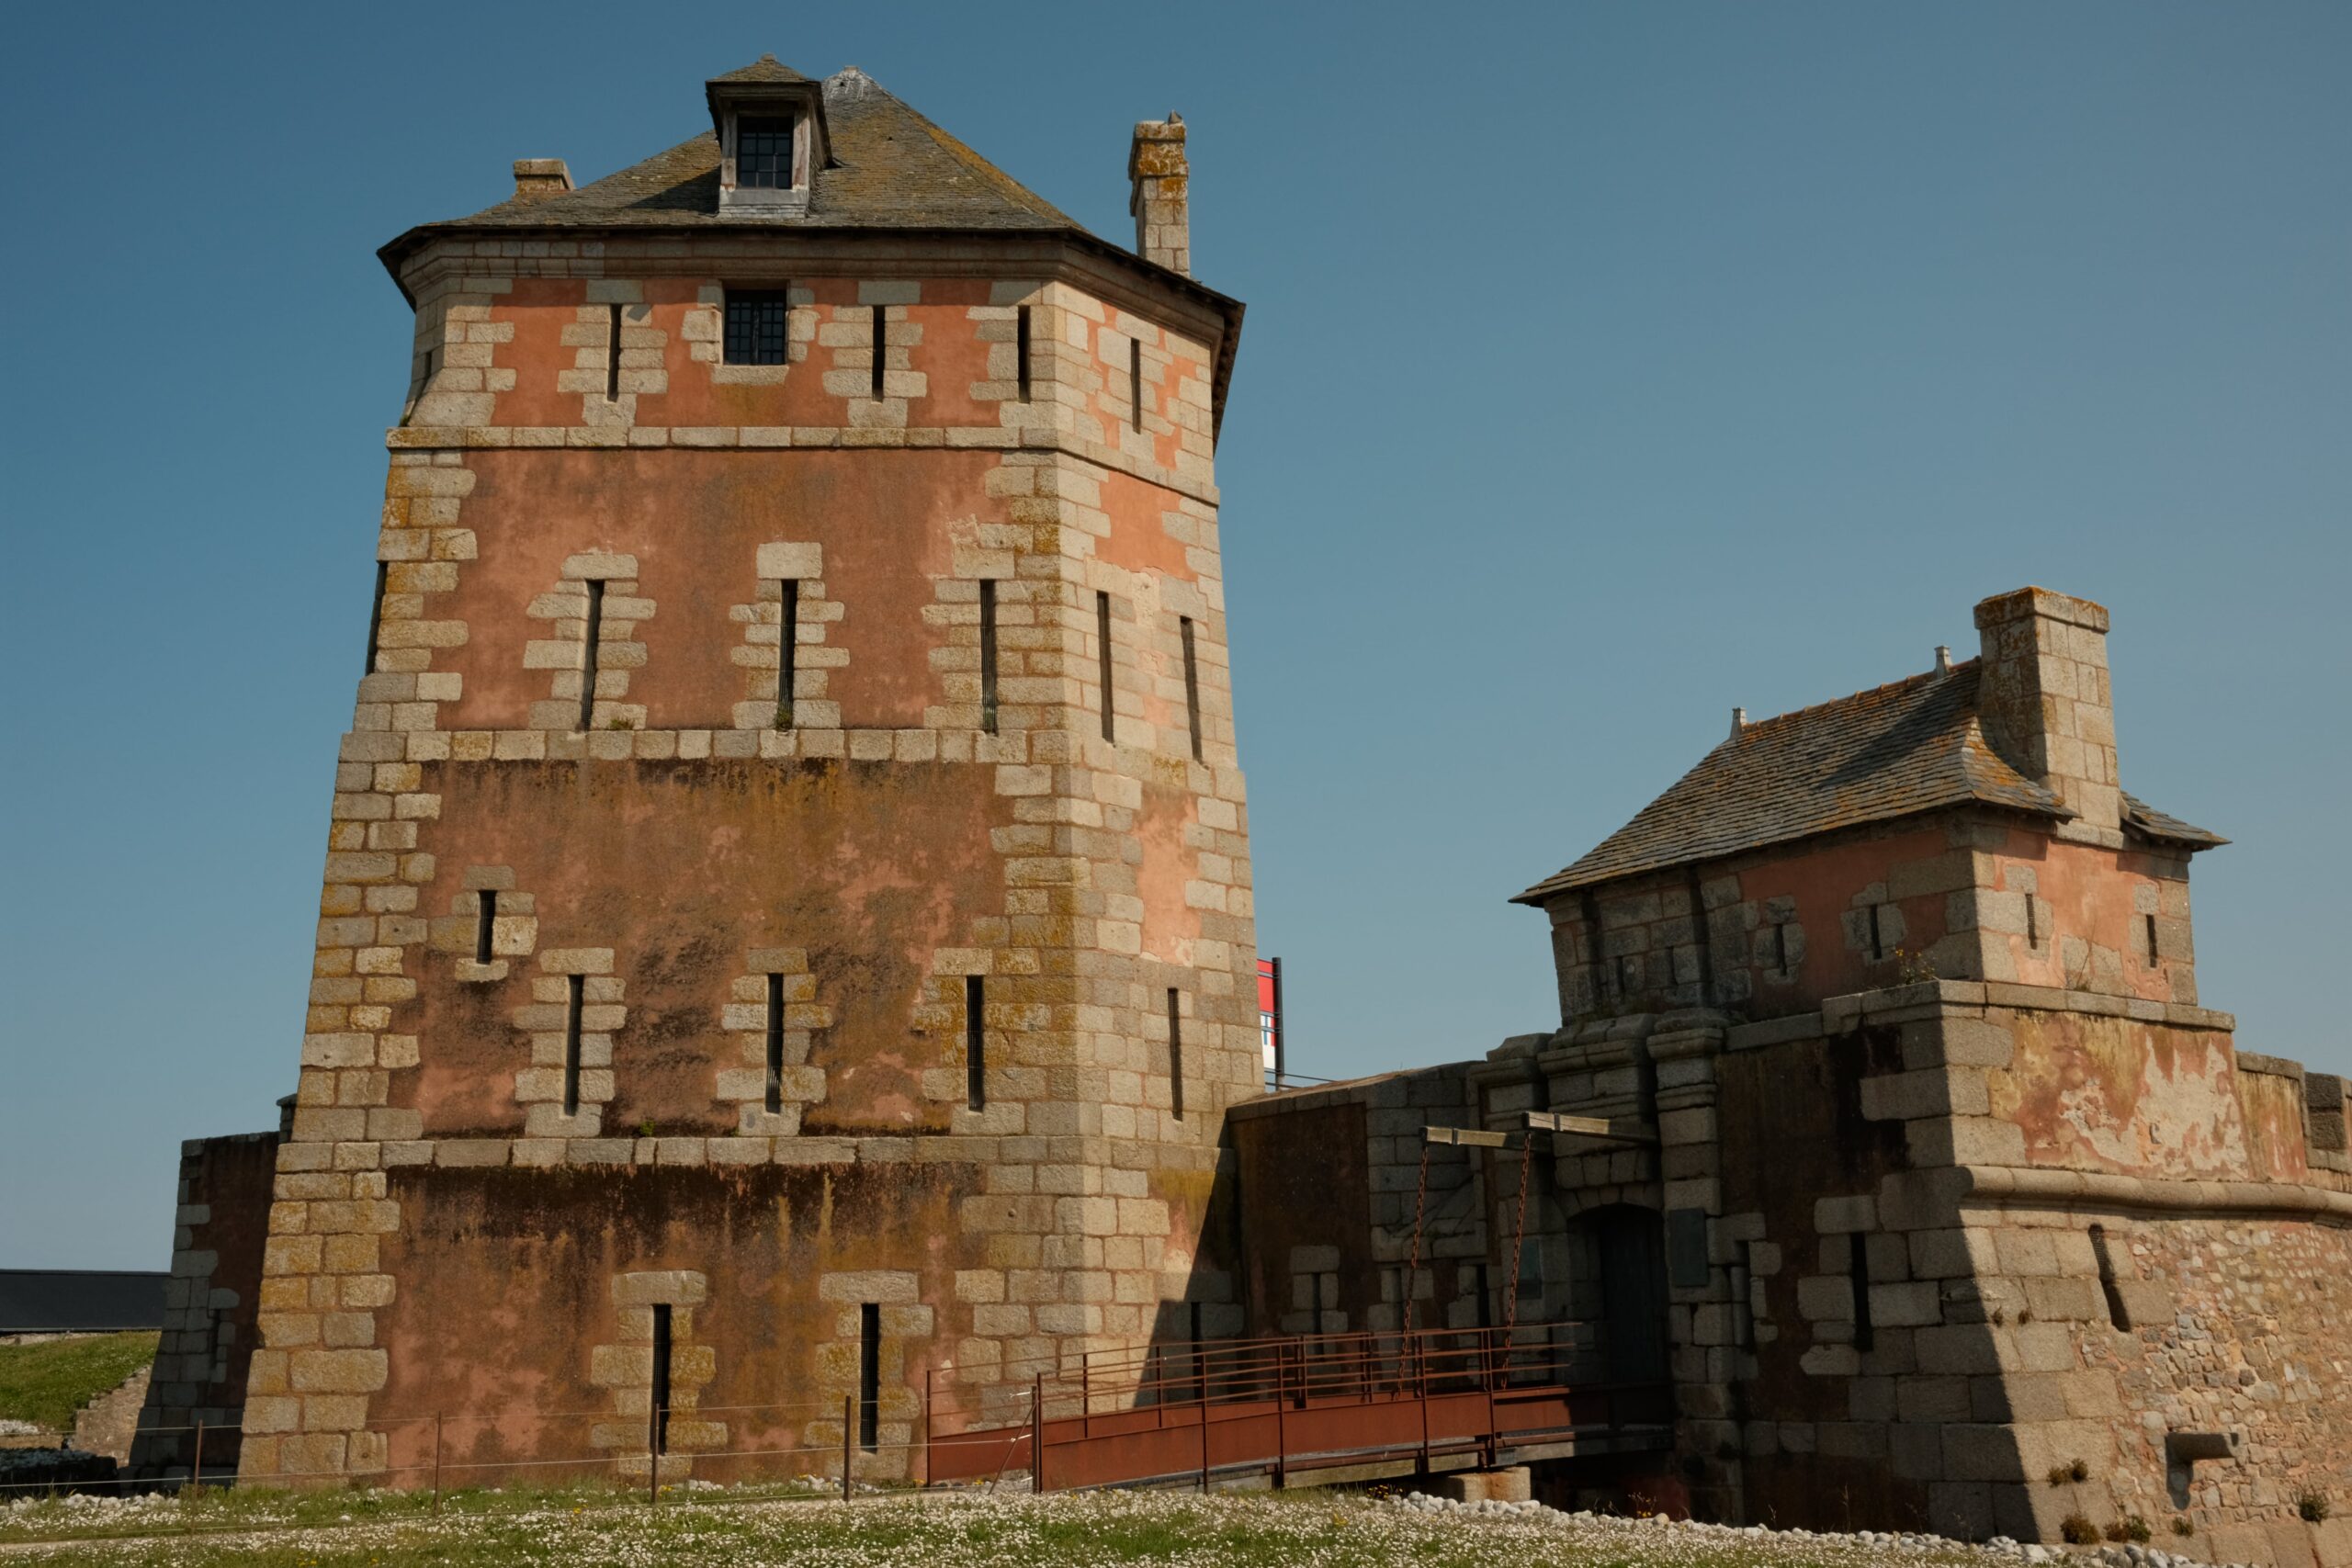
{"x":771,"y":126}
{"x":764,"y":153}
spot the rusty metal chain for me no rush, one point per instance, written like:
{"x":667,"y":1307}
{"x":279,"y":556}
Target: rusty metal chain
{"x":1420,"y":1206}
{"x":1517,"y":1242}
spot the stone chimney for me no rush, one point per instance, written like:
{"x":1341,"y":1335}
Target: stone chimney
{"x":536,"y":179}
{"x":2041,"y":695}
{"x":1159,"y":174}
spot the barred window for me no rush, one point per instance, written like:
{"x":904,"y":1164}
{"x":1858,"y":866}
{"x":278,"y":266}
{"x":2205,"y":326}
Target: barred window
{"x":757,"y":323}
{"x":764,"y":153}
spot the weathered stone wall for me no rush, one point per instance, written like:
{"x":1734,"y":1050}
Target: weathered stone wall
{"x":2119,"y":1331}
{"x":212,"y":1307}
{"x":1946,"y":1236}
{"x":1330,"y":1182}
{"x":1965,"y":898}
{"x":877,"y":847}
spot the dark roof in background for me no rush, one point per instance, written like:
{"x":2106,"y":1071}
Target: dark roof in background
{"x":1890,"y":753}
{"x":891,"y":169}
{"x":56,"y":1301}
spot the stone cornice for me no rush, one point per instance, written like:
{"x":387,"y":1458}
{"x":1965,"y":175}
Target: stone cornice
{"x":778,"y":437}
{"x":1900,"y":1004}
{"x":2027,"y":1187}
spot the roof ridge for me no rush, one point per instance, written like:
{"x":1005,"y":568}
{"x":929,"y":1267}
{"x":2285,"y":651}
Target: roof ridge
{"x":1754,"y":724}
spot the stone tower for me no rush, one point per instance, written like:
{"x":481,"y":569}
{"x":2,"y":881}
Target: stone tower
{"x":786,"y":934}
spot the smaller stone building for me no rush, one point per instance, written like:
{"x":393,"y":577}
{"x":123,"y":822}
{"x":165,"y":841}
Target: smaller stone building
{"x":221,"y":1222}
{"x":1932,"y":1184}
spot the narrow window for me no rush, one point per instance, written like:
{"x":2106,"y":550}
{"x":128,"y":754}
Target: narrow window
{"x":576,"y":994}
{"x":485,"y":916}
{"x":1625,"y":975}
{"x":1743,"y":1297}
{"x":787,"y":651}
{"x":1858,"y":1270}
{"x":1175,"y":1061}
{"x":1781,"y":947}
{"x":776,"y":1044}
{"x":1192,"y":685}
{"x":1020,"y":350}
{"x":658,"y":1438}
{"x":1135,"y":382}
{"x":879,"y":336}
{"x":988,"y":654}
{"x":764,"y":153}
{"x":2032,"y":923}
{"x":869,"y":1376}
{"x":2118,"y":1317}
{"x":588,"y":653}
{"x":758,"y":327}
{"x":2152,"y":941}
{"x":613,"y":357}
{"x":1103,"y":644}
{"x":1878,"y":948}
{"x":976,"y":1045}
{"x":375,"y":616}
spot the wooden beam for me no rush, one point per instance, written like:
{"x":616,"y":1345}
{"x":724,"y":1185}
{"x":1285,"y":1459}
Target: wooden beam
{"x":1463,"y":1137}
{"x":1616,"y":1130}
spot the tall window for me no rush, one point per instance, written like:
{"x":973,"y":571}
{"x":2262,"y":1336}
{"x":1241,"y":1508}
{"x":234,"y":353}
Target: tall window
{"x":776,"y":1044}
{"x":1857,"y":1272}
{"x":869,"y":1375}
{"x":759,"y":323}
{"x":1020,"y":345}
{"x":589,"y":649}
{"x":1102,"y":648}
{"x":613,"y":355}
{"x":1192,"y":685}
{"x":988,"y":654}
{"x":658,"y":1438}
{"x":764,"y":151}
{"x":788,"y":653}
{"x":975,"y":1042}
{"x":485,"y":922}
{"x":1175,"y":1058}
{"x":575,"y":1001}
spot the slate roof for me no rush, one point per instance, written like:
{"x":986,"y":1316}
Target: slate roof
{"x":2148,"y":822}
{"x":765,"y":69}
{"x":890,"y":169}
{"x":1893,"y":751}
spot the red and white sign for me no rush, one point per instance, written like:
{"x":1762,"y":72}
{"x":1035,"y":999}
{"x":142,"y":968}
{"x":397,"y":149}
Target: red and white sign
{"x":1270,"y":1010}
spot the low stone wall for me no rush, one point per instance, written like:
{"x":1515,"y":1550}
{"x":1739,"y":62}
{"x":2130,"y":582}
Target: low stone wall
{"x":106,"y":1425}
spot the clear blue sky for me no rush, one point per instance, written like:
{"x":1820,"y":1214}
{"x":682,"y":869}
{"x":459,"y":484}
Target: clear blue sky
{"x":1606,"y":366}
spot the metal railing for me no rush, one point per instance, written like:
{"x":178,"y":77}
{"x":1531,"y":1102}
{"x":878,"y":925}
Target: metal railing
{"x":1200,"y":1409}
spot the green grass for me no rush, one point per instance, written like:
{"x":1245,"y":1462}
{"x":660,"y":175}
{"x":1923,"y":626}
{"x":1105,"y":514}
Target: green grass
{"x":603,"y":1528}
{"x":45,"y":1382}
